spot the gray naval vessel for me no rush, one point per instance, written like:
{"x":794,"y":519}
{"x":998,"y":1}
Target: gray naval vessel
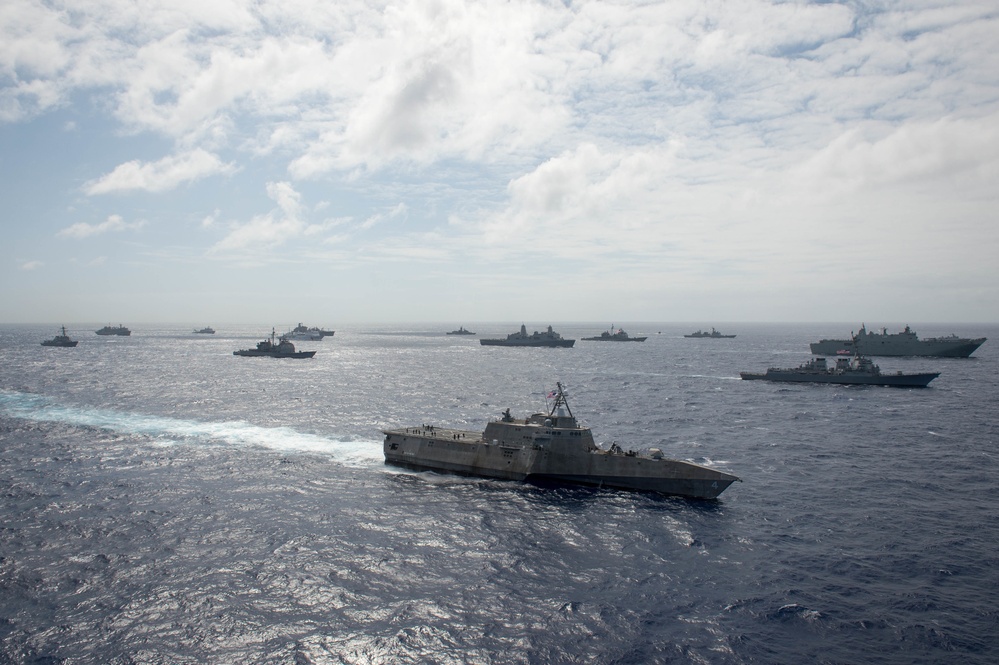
{"x":460,"y":331}
{"x":714,"y":334}
{"x":619,"y":336}
{"x":548,"y":338}
{"x":60,"y":340}
{"x":905,"y":343}
{"x":114,"y":330}
{"x":545,"y":448}
{"x":857,"y":371}
{"x":267,"y":348}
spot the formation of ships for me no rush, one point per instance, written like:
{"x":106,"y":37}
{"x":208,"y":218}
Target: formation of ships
{"x":552,"y":447}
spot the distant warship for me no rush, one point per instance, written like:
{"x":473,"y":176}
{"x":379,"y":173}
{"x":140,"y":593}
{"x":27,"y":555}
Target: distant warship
{"x":283,"y":349}
{"x":714,"y":334}
{"x":858,"y":371}
{"x":619,"y":336}
{"x":549,"y":338}
{"x":905,"y":343}
{"x":302,"y":332}
{"x":548,"y":447}
{"x":60,"y":340}
{"x":205,"y":331}
{"x":114,"y":330}
{"x":461,"y":331}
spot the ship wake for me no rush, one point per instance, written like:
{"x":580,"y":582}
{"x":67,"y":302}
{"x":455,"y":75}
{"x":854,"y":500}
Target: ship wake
{"x":165,"y":430}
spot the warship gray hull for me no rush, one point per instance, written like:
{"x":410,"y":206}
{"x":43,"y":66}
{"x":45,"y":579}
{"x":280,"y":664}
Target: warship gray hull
{"x":905,"y":343}
{"x":549,"y":338}
{"x":860,"y":372}
{"x":714,"y":334}
{"x":62,"y":340}
{"x":118,"y":330}
{"x":610,"y":336}
{"x":269,"y":349}
{"x":545,"y":449}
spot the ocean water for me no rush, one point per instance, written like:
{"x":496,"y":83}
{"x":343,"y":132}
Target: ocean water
{"x":167,"y":502}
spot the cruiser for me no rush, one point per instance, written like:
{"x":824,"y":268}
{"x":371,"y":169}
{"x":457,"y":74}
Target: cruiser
{"x":283,"y":349}
{"x":549,"y":338}
{"x":905,"y":343}
{"x":857,"y":372}
{"x":60,"y":340}
{"x":714,"y":334}
{"x":116,"y":330}
{"x":619,"y":336}
{"x":548,"y":447}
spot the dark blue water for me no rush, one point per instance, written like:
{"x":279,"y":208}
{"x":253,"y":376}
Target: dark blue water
{"x":167,"y":502}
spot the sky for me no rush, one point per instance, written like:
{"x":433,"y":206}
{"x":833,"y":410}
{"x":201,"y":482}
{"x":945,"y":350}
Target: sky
{"x":523,"y":161}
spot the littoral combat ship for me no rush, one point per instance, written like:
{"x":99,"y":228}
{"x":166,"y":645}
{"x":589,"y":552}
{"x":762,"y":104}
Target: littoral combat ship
{"x":546,"y":448}
{"x":858,"y":372}
{"x":905,"y":343}
{"x":548,"y":338}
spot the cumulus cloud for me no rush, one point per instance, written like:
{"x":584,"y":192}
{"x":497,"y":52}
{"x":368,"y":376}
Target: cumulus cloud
{"x":160,"y":176}
{"x":273,"y":228}
{"x":31,"y":265}
{"x":113,"y":223}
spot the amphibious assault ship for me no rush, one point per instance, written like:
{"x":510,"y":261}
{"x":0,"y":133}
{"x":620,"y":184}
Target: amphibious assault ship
{"x":858,"y":371}
{"x":548,"y":447}
{"x":905,"y":343}
{"x":548,"y":338}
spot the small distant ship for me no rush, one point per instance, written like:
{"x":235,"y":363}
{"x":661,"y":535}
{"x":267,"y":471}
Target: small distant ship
{"x":905,"y":343}
{"x":283,"y":349}
{"x":858,"y":371}
{"x":548,"y":338}
{"x":610,"y":336}
{"x":114,"y":330}
{"x":461,"y":331}
{"x":208,"y":330}
{"x":60,"y":340}
{"x":304,"y":333}
{"x":549,"y":447}
{"x":714,"y":334}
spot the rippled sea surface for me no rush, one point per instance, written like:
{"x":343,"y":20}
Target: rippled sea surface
{"x":167,"y":502}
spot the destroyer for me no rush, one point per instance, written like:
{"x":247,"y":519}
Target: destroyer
{"x":905,"y":343}
{"x":714,"y":334}
{"x":60,"y":340}
{"x":114,"y":330}
{"x":205,"y":331}
{"x":619,"y":336}
{"x":460,"y":331}
{"x":548,"y":338}
{"x":283,"y":349}
{"x":858,"y":371}
{"x":546,"y":448}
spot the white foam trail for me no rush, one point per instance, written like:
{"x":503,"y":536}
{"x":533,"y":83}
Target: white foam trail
{"x":174,"y":430}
